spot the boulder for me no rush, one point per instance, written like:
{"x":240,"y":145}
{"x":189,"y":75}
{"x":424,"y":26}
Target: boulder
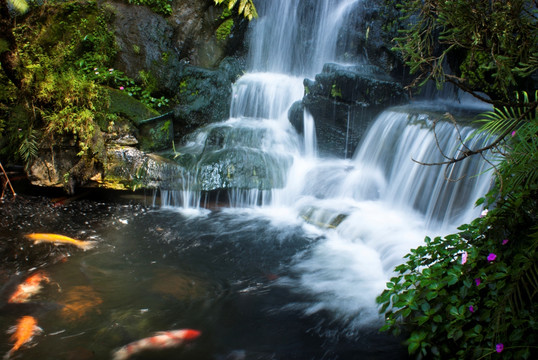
{"x":160,"y":46}
{"x":343,"y":100}
{"x":130,"y":168}
{"x":204,"y":95}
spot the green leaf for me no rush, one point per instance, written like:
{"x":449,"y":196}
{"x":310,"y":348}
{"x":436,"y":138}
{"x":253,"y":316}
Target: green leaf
{"x":21,"y":6}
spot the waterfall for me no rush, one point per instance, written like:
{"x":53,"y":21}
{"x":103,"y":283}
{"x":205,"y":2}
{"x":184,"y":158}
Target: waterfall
{"x":368,"y":210}
{"x":295,"y":36}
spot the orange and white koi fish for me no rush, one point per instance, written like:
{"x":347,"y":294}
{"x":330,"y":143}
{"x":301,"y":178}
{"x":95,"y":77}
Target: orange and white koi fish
{"x":23,"y":333}
{"x":28,"y":288}
{"x":161,"y":340}
{"x":60,"y":240}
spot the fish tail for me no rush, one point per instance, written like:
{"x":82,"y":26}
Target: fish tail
{"x":87,"y":245}
{"x":121,"y":354}
{"x":7,"y":356}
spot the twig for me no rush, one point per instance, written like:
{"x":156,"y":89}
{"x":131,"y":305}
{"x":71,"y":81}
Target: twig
{"x":7,"y":182}
{"x":465,"y":154}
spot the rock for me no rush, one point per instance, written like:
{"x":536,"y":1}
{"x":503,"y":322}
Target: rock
{"x":242,"y":168}
{"x":130,"y":168}
{"x":161,"y":46}
{"x":365,"y":85}
{"x":62,"y":167}
{"x":144,"y":39}
{"x":343,"y":100}
{"x":204,"y":95}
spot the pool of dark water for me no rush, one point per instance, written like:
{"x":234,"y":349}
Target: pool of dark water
{"x":214,"y":271}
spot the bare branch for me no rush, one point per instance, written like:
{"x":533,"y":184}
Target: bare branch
{"x":469,"y":152}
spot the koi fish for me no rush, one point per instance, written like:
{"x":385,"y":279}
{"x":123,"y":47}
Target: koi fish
{"x":23,"y":333}
{"x":60,"y":239}
{"x":161,"y":340}
{"x":28,"y":288}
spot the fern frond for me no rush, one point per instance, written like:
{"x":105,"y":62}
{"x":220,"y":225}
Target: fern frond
{"x":28,"y":148}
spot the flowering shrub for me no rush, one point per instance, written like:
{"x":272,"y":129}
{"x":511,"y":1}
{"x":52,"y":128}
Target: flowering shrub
{"x":473,"y":295}
{"x":467,"y":295}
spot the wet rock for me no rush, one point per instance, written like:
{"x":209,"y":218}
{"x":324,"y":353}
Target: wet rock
{"x":343,"y":101}
{"x":242,"y":168}
{"x":161,"y":46}
{"x":130,"y":168}
{"x":204,"y":95}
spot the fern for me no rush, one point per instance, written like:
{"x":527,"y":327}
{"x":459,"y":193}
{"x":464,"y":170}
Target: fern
{"x":28,"y":148}
{"x":501,"y":121}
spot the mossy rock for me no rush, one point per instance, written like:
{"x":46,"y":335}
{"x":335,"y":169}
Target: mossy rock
{"x":123,"y":104}
{"x":156,"y":132}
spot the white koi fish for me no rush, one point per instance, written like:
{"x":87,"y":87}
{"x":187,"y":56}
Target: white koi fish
{"x":161,"y":340}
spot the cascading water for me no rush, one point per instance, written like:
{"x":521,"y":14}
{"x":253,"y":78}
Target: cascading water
{"x":366,"y":212}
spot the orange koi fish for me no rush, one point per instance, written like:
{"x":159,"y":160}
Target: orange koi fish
{"x":161,"y":340}
{"x":28,"y":288}
{"x":60,"y":240}
{"x":23,"y":333}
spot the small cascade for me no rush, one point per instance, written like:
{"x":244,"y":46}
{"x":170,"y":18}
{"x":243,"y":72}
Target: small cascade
{"x":310,"y":143}
{"x":265,"y":95}
{"x":443,"y":195}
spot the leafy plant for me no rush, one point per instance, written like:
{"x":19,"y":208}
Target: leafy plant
{"x":474,"y":294}
{"x":496,"y":40}
{"x":163,"y":7}
{"x":246,"y":7}
{"x":28,"y":148}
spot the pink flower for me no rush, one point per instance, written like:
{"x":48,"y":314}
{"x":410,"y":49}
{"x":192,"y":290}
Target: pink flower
{"x":477,"y":281}
{"x":471,"y":308}
{"x":484,"y":213}
{"x":121,"y":88}
{"x":499,"y":347}
{"x":464,"y":257}
{"x":505,"y":241}
{"x":513,"y":133}
{"x":492,"y":257}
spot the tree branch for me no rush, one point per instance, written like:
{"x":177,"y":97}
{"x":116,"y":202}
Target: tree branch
{"x":469,"y":152}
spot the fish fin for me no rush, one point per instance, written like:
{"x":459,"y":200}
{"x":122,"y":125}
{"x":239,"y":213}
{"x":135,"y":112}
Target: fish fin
{"x":87,"y":245}
{"x":11,"y":329}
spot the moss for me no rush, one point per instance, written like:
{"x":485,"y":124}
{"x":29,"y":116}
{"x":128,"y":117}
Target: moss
{"x":134,"y":110}
{"x":224,"y":30}
{"x":336,"y":92}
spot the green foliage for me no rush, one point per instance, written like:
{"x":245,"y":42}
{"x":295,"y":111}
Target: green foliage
{"x":224,"y":30}
{"x":496,"y":38}
{"x":460,"y":296}
{"x":71,"y":105}
{"x":246,"y":7}
{"x":21,"y":6}
{"x":336,"y":92}
{"x":163,"y":7}
{"x":29,"y":146}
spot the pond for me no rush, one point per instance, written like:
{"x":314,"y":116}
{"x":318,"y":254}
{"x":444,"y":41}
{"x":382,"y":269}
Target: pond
{"x":224,"y":272}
